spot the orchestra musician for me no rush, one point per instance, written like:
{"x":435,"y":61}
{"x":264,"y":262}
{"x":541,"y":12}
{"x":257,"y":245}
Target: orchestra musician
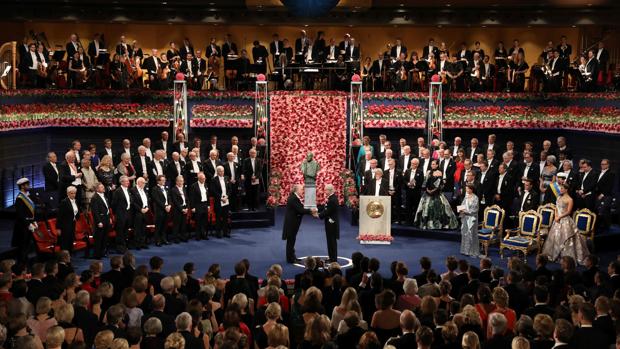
{"x":320,"y":47}
{"x":331,"y":52}
{"x":123,"y":48}
{"x":301,"y":45}
{"x":288,"y":50}
{"x":152,"y":65}
{"x":94,"y":47}
{"x":501,"y":63}
{"x":444,"y":49}
{"x":591,"y":71}
{"x":260,"y":54}
{"x":352,"y":52}
{"x":516,"y":48}
{"x":378,"y":72}
{"x":430,"y":48}
{"x":186,"y":48}
{"x":555,"y":68}
{"x":42,"y":66}
{"x":398,"y":49}
{"x":566,"y":50}
{"x":458,"y":75}
{"x":518,"y":69}
{"x":476,"y":73}
{"x":602,"y":57}
{"x":164,"y":74}
{"x":402,"y":72}
{"x":202,"y":68}
{"x":444,"y":72}
{"x":72,"y":46}
{"x":189,"y":67}
{"x":478,"y":50}
{"x":367,"y":74}
{"x":172,"y":51}
{"x":136,"y":50}
{"x":32,"y":66}
{"x":78,"y":73}
{"x":343,"y":46}
{"x":489,"y":74}
{"x":275,"y":48}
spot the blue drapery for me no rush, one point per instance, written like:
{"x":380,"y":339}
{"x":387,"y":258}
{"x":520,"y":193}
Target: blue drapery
{"x":310,"y":8}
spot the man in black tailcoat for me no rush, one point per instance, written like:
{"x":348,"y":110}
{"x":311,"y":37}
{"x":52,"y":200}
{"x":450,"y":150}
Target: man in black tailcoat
{"x":332,"y":222}
{"x":292,"y":220}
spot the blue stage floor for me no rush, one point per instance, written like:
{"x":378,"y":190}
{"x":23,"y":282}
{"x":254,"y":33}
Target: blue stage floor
{"x":263,"y":247}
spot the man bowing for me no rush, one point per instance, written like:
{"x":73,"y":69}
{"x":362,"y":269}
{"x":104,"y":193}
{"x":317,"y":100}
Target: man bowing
{"x":332,"y":225}
{"x":292,"y":220}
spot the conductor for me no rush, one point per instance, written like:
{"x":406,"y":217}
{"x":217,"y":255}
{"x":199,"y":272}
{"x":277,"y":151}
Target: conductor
{"x":332,"y":223}
{"x":292,"y":220}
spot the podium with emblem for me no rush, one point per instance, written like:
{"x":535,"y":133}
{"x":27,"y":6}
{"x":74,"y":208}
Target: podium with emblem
{"x":375,"y":220}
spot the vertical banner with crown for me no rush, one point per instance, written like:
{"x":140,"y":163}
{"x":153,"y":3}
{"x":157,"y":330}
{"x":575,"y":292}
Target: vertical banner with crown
{"x":434,"y":122}
{"x":180,"y":123}
{"x":356,"y":120}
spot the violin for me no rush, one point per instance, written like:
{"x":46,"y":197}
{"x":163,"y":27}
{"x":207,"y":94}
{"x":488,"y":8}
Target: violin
{"x":214,"y":66}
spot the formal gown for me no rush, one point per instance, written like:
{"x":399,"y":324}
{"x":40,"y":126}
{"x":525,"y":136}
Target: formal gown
{"x":434,"y":211}
{"x":469,"y":226}
{"x":564,"y":238}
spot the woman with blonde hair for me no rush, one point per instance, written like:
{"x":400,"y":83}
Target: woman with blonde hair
{"x":174,"y":341}
{"x":261,"y":332}
{"x":42,"y":321}
{"x":369,"y":340}
{"x":353,"y":306}
{"x":317,"y":333}
{"x":64,"y":315}
{"x":470,"y":340}
{"x":104,"y":339}
{"x":543,"y":327}
{"x":471,"y":321}
{"x":500,"y":299}
{"x":520,"y":343}
{"x":119,"y":343}
{"x":105,"y":174}
{"x":340,"y":311}
{"x":72,"y":282}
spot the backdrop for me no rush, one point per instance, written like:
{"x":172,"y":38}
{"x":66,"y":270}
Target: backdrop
{"x":308,"y":122}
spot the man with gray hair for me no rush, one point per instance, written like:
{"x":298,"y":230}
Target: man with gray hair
{"x":332,"y":223}
{"x":184,"y":326}
{"x":121,"y":206}
{"x":219,"y":189}
{"x":499,"y":338}
{"x":68,"y":211}
{"x":179,"y":207}
{"x":378,"y":186}
{"x":292,"y":220}
{"x":87,"y":321}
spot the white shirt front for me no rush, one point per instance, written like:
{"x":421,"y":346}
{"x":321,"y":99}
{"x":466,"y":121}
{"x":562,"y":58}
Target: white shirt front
{"x":391,"y":183}
{"x":223,"y":185}
{"x":195,"y":167}
{"x":149,"y":153}
{"x":143,"y":162}
{"x":527,"y":169}
{"x":203,"y":192}
{"x":105,"y":202}
{"x":601,"y":175}
{"x":377,"y":187}
{"x":525,"y":195}
{"x":445,"y":167}
{"x":158,"y":169}
{"x":598,"y":53}
{"x":74,"y":206}
{"x":499,"y":183}
{"x":143,"y":197}
{"x":182,"y":193}
{"x":74,"y":172}
{"x":163,"y":190}
{"x":584,"y":178}
{"x":177,"y":164}
{"x":54,"y":167}
{"x":126,"y":193}
{"x":231,"y":165}
{"x":35,"y":62}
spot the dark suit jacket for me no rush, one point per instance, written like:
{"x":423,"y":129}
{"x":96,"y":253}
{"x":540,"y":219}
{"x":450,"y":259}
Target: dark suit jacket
{"x":208,"y":168}
{"x":248,"y":172}
{"x":66,"y":178}
{"x":136,"y":200}
{"x":176,"y":201}
{"x":171,"y":170}
{"x":227,"y":172}
{"x":160,"y":145}
{"x":159,"y":200}
{"x":533,"y":173}
{"x":476,"y":151}
{"x":87,"y":321}
{"x":487,"y":186}
{"x":331,"y":217}
{"x":190,"y":175}
{"x":383,"y":188}
{"x":167,"y":322}
{"x":137,"y":164}
{"x":119,"y":203}
{"x":604,"y":186}
{"x":589,"y":337}
{"x":36,"y":290}
{"x":448,"y":182}
{"x":216,"y":190}
{"x":404,"y":165}
{"x":403,"y":49}
{"x":52,"y":179}
{"x":292,"y":219}
{"x":531,"y":203}
{"x":589,"y":185}
{"x":194,"y":194}
{"x":117,"y":279}
{"x":606,"y":325}
{"x":66,"y":219}
{"x":101,"y":212}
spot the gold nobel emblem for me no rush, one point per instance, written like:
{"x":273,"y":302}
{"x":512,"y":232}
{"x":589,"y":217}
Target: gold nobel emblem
{"x":374,"y":209}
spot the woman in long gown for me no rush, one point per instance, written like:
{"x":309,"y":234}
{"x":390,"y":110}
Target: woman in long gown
{"x":434,"y":211}
{"x":469,"y":223}
{"x":564,"y":239}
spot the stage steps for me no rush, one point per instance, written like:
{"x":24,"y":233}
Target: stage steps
{"x":265,"y":217}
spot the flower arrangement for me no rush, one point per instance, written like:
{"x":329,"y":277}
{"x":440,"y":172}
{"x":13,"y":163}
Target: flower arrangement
{"x":490,"y":96}
{"x":395,"y":116}
{"x":375,"y":237}
{"x":302,"y":122}
{"x":21,"y":116}
{"x":275,"y":180}
{"x":349,"y":189}
{"x":225,"y":115}
{"x":133,"y":93}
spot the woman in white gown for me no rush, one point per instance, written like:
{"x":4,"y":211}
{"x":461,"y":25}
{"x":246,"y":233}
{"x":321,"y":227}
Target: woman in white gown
{"x":564,"y":238}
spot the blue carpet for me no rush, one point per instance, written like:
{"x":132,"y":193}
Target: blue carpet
{"x":263,"y":247}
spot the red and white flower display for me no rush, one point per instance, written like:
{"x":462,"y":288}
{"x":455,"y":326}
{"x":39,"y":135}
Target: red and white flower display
{"x":308,"y":122}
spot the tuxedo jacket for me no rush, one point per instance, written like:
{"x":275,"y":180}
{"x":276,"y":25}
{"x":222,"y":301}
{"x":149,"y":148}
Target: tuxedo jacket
{"x":605,"y":185}
{"x":164,"y":166}
{"x":404,"y":164}
{"x":209,"y":169}
{"x":272,"y":47}
{"x":66,"y":219}
{"x":172,"y":172}
{"x":418,"y":177}
{"x":331,"y":217}
{"x":190,"y":175}
{"x":477,"y":150}
{"x":176,"y":147}
{"x":589,"y":184}
{"x":101,"y":212}
{"x":426,"y":50}
{"x":137,"y":165}
{"x":248,"y":172}
{"x":448,"y":182}
{"x":70,"y":50}
{"x":117,"y":157}
{"x":160,"y":145}
{"x":533,"y":173}
{"x":531,"y":202}
{"x":149,"y":64}
{"x":159,"y":200}
{"x":398,"y":179}
{"x":228,"y":172}
{"x":383,"y":164}
{"x":185,"y":67}
{"x":121,"y":50}
{"x":383,"y":188}
{"x":487,"y":186}
{"x":194,"y":194}
{"x":176,"y":201}
{"x":361,"y":167}
{"x":184,"y":50}
{"x":213,"y":50}
{"x":368,"y":176}
{"x":52,"y":178}
{"x":403,"y":49}
{"x":216,"y":190}
{"x":493,"y":164}
{"x":229,"y":47}
{"x":119,"y":203}
{"x":136,"y":201}
{"x":66,"y":178}
{"x":292,"y":218}
{"x":507,"y":187}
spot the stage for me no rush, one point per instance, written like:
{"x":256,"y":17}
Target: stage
{"x":263,"y":247}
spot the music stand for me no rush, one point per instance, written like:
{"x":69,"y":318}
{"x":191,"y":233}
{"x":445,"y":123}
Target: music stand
{"x":58,"y":55}
{"x":103,"y":58}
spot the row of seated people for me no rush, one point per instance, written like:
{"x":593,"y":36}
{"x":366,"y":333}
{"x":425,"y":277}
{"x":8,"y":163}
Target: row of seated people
{"x":326,"y":306}
{"x":394,"y":69}
{"x":515,"y":181}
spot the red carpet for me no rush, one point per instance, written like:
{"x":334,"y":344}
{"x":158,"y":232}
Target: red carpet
{"x":308,"y":122}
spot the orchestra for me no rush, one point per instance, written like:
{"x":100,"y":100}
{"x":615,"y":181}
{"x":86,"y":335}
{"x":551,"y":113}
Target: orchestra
{"x":312,"y":63}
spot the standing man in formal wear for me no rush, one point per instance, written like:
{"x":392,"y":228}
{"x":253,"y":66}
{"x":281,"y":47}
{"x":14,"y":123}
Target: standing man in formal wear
{"x":101,"y":220}
{"x":164,"y":144}
{"x":192,"y":168}
{"x":121,"y":206}
{"x":504,"y":189}
{"x":199,"y":201}
{"x":141,"y":207}
{"x":604,"y":193}
{"x":68,"y":213}
{"x":219,"y":189}
{"x":588,"y":178}
{"x":210,"y":165}
{"x":25,"y":223}
{"x":332,"y":223}
{"x":252,"y":170}
{"x":529,"y":198}
{"x":180,"y":207}
{"x":69,"y":174}
{"x":292,"y":220}
{"x":394,"y":179}
{"x":232,"y":170}
{"x":413,"y":179}
{"x":161,"y":208}
{"x":51,"y":174}
{"x":378,"y":186}
{"x":448,"y":167}
{"x":175,"y":168}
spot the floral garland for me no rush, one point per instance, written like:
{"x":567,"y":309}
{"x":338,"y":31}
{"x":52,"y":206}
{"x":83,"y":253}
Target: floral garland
{"x":490,"y":96}
{"x":374,"y":237}
{"x":133,"y":93}
{"x":594,"y":119}
{"x":349,"y":190}
{"x":275,"y":184}
{"x":226,"y":115}
{"x":22,"y":116}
